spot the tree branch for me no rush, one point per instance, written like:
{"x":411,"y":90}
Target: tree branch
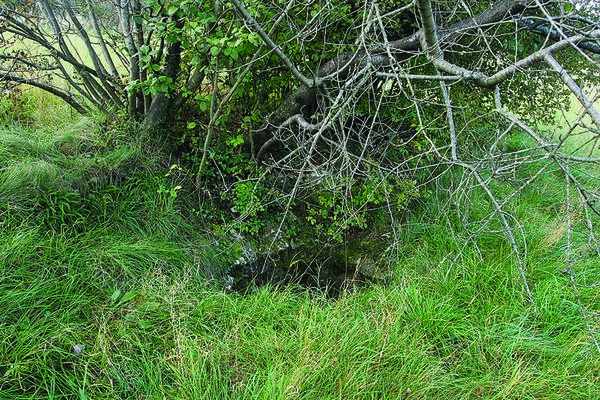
{"x":134,"y":64}
{"x":401,"y":49}
{"x":80,"y":108}
{"x":267,"y":40}
{"x":588,"y":105}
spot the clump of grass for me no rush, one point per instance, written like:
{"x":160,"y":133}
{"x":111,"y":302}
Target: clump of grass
{"x":156,"y":333}
{"x":104,"y":291}
{"x":102,"y":314}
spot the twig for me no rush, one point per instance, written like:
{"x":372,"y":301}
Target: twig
{"x":569,"y":262}
{"x":265,"y":37}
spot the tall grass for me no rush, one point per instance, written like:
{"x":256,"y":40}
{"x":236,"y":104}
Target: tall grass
{"x":153,"y":328}
{"x":104,"y":292}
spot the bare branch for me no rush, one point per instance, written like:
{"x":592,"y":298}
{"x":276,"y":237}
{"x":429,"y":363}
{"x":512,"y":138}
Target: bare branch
{"x":134,"y":64}
{"x":588,"y":105}
{"x":570,"y":270}
{"x":265,"y":37}
{"x":70,"y":100}
{"x":101,"y":40}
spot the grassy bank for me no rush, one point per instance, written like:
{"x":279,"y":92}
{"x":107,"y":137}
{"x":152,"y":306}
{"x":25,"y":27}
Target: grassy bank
{"x":104,"y":292}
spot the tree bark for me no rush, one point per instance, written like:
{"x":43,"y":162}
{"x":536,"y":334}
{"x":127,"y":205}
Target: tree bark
{"x":162,"y":102}
{"x":134,"y":62}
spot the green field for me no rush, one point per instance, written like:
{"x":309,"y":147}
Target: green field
{"x":105,"y":294}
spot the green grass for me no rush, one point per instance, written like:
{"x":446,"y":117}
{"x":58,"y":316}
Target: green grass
{"x":93,"y":254}
{"x":152,"y":327}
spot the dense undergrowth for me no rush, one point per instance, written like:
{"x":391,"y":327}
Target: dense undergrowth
{"x":106,"y":293}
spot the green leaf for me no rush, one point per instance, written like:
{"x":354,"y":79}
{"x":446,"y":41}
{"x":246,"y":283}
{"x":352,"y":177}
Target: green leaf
{"x":172,"y":10}
{"x":191,"y":125}
{"x":145,"y":324}
{"x":132,"y":294}
{"x":235,"y":141}
{"x":82,"y":395}
{"x":115,"y":296}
